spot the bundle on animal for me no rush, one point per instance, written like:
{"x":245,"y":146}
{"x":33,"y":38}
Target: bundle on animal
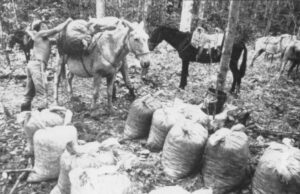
{"x":291,"y":55}
{"x":181,"y":41}
{"x":105,"y":56}
{"x":22,"y":38}
{"x":271,"y":45}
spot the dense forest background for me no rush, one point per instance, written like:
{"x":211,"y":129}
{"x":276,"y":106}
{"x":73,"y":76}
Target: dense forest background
{"x":256,"y":17}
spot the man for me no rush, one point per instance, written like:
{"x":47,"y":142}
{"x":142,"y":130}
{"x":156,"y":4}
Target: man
{"x":36,"y":77}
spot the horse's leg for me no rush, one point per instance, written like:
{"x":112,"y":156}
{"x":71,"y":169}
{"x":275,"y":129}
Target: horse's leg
{"x":96,"y":88}
{"x":70,"y":77}
{"x":184,"y":73}
{"x":255,"y":56}
{"x":124,"y":71}
{"x":291,"y":68}
{"x":235,"y":74}
{"x":60,"y":61}
{"x":110,"y":83}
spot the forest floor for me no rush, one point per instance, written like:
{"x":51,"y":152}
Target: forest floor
{"x":274,"y":105}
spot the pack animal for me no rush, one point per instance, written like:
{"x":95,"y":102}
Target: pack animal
{"x":181,"y":42}
{"x":107,"y":58}
{"x":291,"y":55}
{"x":271,"y":45}
{"x":22,"y":38}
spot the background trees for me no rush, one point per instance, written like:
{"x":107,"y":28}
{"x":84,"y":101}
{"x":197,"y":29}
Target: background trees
{"x":257,"y":17}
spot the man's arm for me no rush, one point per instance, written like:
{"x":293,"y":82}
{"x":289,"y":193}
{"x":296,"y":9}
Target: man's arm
{"x":60,"y":27}
{"x":30,"y":33}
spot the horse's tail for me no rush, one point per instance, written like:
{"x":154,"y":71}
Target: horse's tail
{"x":243,"y":66}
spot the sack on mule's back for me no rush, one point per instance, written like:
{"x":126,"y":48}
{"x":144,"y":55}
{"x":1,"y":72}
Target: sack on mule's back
{"x":75,"y":38}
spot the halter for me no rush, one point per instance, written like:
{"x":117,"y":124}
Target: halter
{"x":137,"y":55}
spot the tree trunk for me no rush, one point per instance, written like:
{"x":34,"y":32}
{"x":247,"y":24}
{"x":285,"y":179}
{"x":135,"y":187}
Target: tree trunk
{"x":140,"y":10}
{"x":228,"y":43}
{"x":186,"y":15}
{"x":201,"y":10}
{"x":147,"y":4}
{"x":100,"y":8}
{"x":270,"y":17}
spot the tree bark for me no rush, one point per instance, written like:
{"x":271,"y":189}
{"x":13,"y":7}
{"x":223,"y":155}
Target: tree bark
{"x":201,"y":10}
{"x":100,"y":8}
{"x":186,"y":15}
{"x":147,"y":4}
{"x":228,"y":43}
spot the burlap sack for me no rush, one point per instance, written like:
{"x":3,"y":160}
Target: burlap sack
{"x":170,"y":190}
{"x":183,"y":148}
{"x":32,"y":121}
{"x":162,"y":121}
{"x":104,"y":180}
{"x":49,"y":144}
{"x":192,"y":112}
{"x":278,"y":171}
{"x":138,"y":122}
{"x":75,"y":38}
{"x":90,"y":155}
{"x":225,"y":160}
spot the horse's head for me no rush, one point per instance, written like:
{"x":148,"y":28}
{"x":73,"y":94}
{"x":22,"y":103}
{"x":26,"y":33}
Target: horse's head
{"x":156,"y":38}
{"x":138,"y":44}
{"x":20,"y":37}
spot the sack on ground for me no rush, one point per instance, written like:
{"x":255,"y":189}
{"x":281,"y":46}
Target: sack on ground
{"x":169,"y":190}
{"x":138,"y":122}
{"x":49,"y":144}
{"x":102,"y":180}
{"x":225,"y":162}
{"x":183,"y":148}
{"x":162,"y":121}
{"x":34,"y":120}
{"x":278,"y":171}
{"x":192,"y":112}
{"x":90,"y":155}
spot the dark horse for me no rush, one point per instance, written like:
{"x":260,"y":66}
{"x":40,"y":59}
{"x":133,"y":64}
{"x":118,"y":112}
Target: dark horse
{"x":181,"y":42}
{"x":23,"y":39}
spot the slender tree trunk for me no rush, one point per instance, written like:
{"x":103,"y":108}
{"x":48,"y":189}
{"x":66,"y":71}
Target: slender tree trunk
{"x":228,"y":43}
{"x":140,"y":10}
{"x":270,"y":17}
{"x":100,"y":8}
{"x":201,"y":10}
{"x":147,"y":4}
{"x":186,"y":15}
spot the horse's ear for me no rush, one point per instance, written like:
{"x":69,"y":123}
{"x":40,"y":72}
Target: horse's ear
{"x":142,"y":24}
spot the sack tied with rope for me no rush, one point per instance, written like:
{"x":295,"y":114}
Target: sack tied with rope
{"x":278,"y":171}
{"x":32,"y":121}
{"x":138,"y":121}
{"x":183,"y":148}
{"x":162,"y":121}
{"x":49,"y":144}
{"x":89,"y":155}
{"x":225,"y":162}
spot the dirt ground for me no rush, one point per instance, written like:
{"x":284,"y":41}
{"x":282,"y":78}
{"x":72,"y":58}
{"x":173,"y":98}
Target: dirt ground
{"x":274,"y":106}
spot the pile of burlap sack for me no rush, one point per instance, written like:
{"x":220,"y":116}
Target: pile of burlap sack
{"x":79,"y":167}
{"x":181,"y":132}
